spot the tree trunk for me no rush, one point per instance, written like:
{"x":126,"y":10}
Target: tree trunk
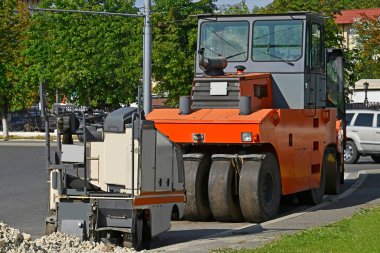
{"x":4,"y":120}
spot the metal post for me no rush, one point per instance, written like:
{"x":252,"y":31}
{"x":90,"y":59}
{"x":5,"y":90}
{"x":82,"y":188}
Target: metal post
{"x":365,"y":84}
{"x":45,"y":116}
{"x":59,"y":143}
{"x":84,"y":152}
{"x":133,"y":153}
{"x":147,"y":59}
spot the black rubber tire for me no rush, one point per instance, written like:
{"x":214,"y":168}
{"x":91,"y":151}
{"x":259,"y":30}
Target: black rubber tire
{"x":351,"y":154}
{"x":376,"y":158}
{"x":141,"y":235}
{"x":197,"y":206}
{"x":175,"y":214}
{"x":314,"y":196}
{"x":222,"y":191}
{"x":260,"y":188}
{"x":50,"y":228}
{"x":331,"y":162}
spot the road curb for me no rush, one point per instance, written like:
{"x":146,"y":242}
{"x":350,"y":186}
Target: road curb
{"x":328,"y":199}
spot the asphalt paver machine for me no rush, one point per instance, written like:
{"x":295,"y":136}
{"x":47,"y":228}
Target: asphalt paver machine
{"x":121,"y":184}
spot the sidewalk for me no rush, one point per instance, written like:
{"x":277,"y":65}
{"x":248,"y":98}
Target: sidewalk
{"x":364,"y":193}
{"x":26,"y":134}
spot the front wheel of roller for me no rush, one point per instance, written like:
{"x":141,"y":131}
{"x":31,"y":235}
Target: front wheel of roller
{"x":141,"y":234}
{"x":260,"y":188}
{"x":332,"y":165}
{"x":222,"y":192}
{"x":197,"y":168}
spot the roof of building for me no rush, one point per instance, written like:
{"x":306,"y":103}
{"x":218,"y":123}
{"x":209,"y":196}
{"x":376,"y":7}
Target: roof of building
{"x":350,"y":16}
{"x":373,"y":84}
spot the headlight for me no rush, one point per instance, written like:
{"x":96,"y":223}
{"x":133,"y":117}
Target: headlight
{"x":197,"y":137}
{"x":246,"y":137}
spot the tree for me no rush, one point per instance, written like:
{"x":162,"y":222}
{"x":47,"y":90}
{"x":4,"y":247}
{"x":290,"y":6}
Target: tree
{"x":239,"y":8}
{"x":174,"y":44}
{"x":14,"y":20}
{"x":93,"y":60}
{"x":368,"y":45}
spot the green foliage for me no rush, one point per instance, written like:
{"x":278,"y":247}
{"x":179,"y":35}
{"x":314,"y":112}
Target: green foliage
{"x":93,"y":60}
{"x":14,"y":21}
{"x":239,"y":8}
{"x":174,"y":44}
{"x":97,"y":60}
{"x":368,"y":47}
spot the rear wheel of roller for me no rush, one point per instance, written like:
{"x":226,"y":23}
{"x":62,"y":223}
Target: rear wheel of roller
{"x":260,"y":188}
{"x":222,"y":191}
{"x":197,"y":169}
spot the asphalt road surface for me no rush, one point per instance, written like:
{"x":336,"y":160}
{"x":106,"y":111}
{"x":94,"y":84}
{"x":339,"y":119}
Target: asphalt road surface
{"x":23,"y":186}
{"x":23,"y":195}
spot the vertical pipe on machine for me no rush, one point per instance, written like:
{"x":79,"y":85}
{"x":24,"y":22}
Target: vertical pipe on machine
{"x":184,"y":105}
{"x":245,"y":105}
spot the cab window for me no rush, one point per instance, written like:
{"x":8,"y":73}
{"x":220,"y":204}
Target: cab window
{"x":225,"y":38}
{"x":316,"y":46}
{"x":277,"y":40}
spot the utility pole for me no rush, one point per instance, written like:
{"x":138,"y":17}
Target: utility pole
{"x":147,"y":78}
{"x":45,"y":116}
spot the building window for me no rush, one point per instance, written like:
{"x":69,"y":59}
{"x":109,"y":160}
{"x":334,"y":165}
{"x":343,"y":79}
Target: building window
{"x":352,"y":31}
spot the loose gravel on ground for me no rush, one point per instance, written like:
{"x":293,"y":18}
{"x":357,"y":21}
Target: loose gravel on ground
{"x":13,"y":241}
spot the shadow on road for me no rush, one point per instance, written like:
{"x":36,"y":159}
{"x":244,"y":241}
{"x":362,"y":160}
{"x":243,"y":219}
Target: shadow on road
{"x":180,"y":236}
{"x":363,"y":194}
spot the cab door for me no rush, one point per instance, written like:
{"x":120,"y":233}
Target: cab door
{"x":315,"y":78}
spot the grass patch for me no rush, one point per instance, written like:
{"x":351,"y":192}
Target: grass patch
{"x":360,"y":233}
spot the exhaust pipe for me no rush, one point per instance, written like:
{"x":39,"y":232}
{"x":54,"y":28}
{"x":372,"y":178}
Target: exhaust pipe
{"x":184,"y":105}
{"x":245,"y":105}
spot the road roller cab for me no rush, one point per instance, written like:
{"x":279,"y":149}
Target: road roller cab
{"x":260,"y":122}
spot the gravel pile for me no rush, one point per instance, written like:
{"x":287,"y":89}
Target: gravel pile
{"x":13,"y":241}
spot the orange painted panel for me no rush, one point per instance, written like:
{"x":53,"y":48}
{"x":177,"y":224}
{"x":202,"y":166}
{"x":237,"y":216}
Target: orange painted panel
{"x":206,"y":116}
{"x":247,"y":88}
{"x":287,"y":130}
{"x":156,"y":200}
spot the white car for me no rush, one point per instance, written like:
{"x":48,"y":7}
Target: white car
{"x":363,"y":135}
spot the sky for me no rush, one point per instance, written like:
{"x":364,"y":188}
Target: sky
{"x":250,"y":3}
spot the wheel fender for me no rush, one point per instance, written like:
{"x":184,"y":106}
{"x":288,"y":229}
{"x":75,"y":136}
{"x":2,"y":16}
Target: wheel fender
{"x":356,"y":140}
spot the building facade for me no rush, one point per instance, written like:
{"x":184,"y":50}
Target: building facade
{"x":347,"y":18}
{"x":373,"y":91}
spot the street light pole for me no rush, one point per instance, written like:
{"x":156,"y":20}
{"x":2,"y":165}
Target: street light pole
{"x":147,"y":96}
{"x":365,"y":84}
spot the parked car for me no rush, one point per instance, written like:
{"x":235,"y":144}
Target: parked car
{"x":29,"y":121}
{"x":363,"y":135}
